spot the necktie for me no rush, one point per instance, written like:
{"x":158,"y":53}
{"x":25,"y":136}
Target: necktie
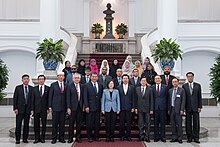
{"x":135,"y":81}
{"x":174,"y":97}
{"x":167,"y":80}
{"x":190,"y":88}
{"x":103,"y":79}
{"x":41,"y":91}
{"x":26,"y":94}
{"x":95,"y":88}
{"x":119,"y":81}
{"x":158,"y":90}
{"x":61,"y":87}
{"x":142,"y":92}
{"x":77,"y":90}
{"x":87,"y":79}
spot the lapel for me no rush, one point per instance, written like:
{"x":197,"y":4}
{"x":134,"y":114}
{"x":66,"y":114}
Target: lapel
{"x":108,"y":95}
{"x":38,"y":92}
{"x":22,"y":91}
{"x":93,"y":89}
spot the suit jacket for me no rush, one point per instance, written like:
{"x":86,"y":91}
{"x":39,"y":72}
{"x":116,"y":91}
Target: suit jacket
{"x":72,"y":97}
{"x":109,"y":102}
{"x":92,"y":99}
{"x":171,"y":77}
{"x":57,"y":100}
{"x":180,"y":100}
{"x":116,"y":84}
{"x":40,"y":103}
{"x":83,"y":79}
{"x":194,"y":101}
{"x":132,"y":82}
{"x":160,"y":100}
{"x":144,"y":103}
{"x":107,"y":78}
{"x":19,"y":99}
{"x":126,"y":100}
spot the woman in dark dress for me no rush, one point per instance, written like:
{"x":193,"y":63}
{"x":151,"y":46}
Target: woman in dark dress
{"x":149,"y":73}
{"x":67,"y":69}
{"x":81,"y":67}
{"x":113,"y":68}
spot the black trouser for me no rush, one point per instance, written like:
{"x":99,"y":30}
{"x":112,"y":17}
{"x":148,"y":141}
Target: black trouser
{"x":144,"y":120}
{"x":37,"y":117}
{"x":159,"y":124}
{"x":125,"y":116}
{"x":93,"y":123}
{"x":75,"y":117}
{"x":110,"y":118}
{"x":192,"y":125}
{"x":176,"y":124}
{"x":58,"y":118}
{"x":19,"y":119}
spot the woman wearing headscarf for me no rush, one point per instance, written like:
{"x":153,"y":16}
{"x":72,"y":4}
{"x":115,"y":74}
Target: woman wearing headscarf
{"x":149,"y":73}
{"x":94,"y":66}
{"x":146,"y":62}
{"x":139,"y":67}
{"x":113,"y":68}
{"x":104,"y":64}
{"x":81,"y":67}
{"x":67,"y":69}
{"x":129,"y":58}
{"x":126,"y":68}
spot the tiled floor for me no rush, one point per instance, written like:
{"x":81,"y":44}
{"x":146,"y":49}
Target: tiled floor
{"x":212,"y":124}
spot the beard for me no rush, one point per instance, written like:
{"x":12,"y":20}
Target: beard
{"x":167,"y":73}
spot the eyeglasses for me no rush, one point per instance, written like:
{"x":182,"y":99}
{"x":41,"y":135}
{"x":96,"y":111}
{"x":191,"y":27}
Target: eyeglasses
{"x":73,"y":68}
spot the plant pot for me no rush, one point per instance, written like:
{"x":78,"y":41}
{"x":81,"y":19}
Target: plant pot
{"x":50,"y":64}
{"x":167,"y":62}
{"x":120,"y":36}
{"x":97,"y":36}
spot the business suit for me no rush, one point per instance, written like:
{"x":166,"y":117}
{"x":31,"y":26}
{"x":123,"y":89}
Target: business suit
{"x":75,"y":103}
{"x":193,"y":103}
{"x":174,"y":107}
{"x":85,"y":79}
{"x":40,"y":108}
{"x":92,"y":100}
{"x":160,"y":108}
{"x":144,"y":105}
{"x":104,"y":83}
{"x":110,"y":105}
{"x":126,"y":104}
{"x":117,"y":82}
{"x":57,"y":101}
{"x":22,"y":103}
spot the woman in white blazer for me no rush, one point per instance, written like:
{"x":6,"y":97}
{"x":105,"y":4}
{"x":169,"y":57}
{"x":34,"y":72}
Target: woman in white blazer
{"x":110,"y":108}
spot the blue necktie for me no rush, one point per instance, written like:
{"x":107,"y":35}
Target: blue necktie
{"x":95,"y":88}
{"x":26,"y":93}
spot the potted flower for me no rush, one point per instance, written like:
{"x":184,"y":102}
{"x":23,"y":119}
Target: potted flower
{"x":51,"y":52}
{"x":97,"y":29}
{"x":121,"y":30}
{"x":3,"y":78}
{"x":166,"y":51}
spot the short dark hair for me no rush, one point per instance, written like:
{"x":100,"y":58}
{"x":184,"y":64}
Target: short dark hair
{"x":25,"y":75}
{"x":176,"y":78}
{"x":143,"y":77}
{"x":109,"y":82}
{"x":125,"y":75}
{"x":88,"y":68}
{"x":94,"y":73}
{"x":41,"y":76}
{"x":189,"y":73}
{"x":135,"y":69}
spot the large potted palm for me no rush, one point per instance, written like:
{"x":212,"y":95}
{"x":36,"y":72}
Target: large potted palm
{"x":166,"y":52}
{"x":3,"y":78}
{"x":97,"y":29}
{"x":121,"y":30}
{"x":52,"y":53}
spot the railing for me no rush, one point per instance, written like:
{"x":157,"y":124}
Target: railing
{"x":146,"y":41}
{"x":71,"y":53}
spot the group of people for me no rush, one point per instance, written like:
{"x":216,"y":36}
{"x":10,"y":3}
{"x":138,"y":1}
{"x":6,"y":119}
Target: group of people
{"x":86,"y":93}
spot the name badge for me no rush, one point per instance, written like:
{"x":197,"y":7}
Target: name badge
{"x":177,"y":95}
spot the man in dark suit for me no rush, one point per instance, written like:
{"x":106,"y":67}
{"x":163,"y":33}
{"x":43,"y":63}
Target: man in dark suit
{"x":57,"y":105}
{"x":176,"y":107}
{"x":22,"y":108}
{"x":86,"y":79}
{"x":126,"y":93}
{"x":104,"y":78}
{"x":40,"y":108}
{"x":160,"y":109}
{"x":144,"y":108}
{"x":74,"y":101}
{"x":92,"y":102}
{"x":193,"y":107}
{"x":118,"y":79}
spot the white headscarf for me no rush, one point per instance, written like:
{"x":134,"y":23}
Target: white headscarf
{"x":128,"y":70}
{"x":131,"y":63}
{"x":100,"y":71}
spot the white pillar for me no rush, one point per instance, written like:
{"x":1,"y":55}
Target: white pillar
{"x":131,"y":18}
{"x":86,"y":18}
{"x":49,"y":24}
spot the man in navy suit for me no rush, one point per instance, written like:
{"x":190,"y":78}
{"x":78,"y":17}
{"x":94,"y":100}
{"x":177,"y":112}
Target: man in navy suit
{"x":57,"y":105}
{"x":193,"y":107}
{"x":92,"y":102}
{"x":160,"y":108}
{"x":104,"y":78}
{"x":22,"y":108}
{"x":40,"y":108}
{"x":74,"y":101}
{"x":126,"y":93}
{"x":118,"y":79}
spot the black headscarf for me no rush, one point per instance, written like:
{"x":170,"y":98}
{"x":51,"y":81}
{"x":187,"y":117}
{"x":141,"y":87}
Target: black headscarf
{"x":81,"y":69}
{"x":113,"y":68}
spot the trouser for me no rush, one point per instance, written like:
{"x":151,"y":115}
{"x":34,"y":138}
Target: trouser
{"x":93,"y":123}
{"x":144,"y":119}
{"x":176,"y":125}
{"x":159,"y":124}
{"x":19,"y":119}
{"x":192,"y":125}
{"x":125,"y":116}
{"x":37,"y":117}
{"x":110,"y":118}
{"x":58,"y":118}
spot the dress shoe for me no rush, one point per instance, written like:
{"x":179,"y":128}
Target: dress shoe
{"x":70,"y":140}
{"x":36,"y":141}
{"x":90,"y":140}
{"x":62,"y":141}
{"x":140,"y":139}
{"x":112,"y":139}
{"x":129,"y":139}
{"x":156,"y":140}
{"x":147,"y":140}
{"x":163,"y":140}
{"x":107,"y":139}
{"x":79,"y":140}
{"x":53,"y":141}
{"x":174,"y":140}
{"x":17,"y":142}
{"x":196,"y":141}
{"x":180,"y":141}
{"x":25,"y":141}
{"x":122,"y":139}
{"x":42,"y":141}
{"x":189,"y":140}
{"x":97,"y":139}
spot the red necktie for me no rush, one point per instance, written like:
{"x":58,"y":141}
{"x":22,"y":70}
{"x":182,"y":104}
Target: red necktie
{"x":167,"y":80}
{"x":61,"y":87}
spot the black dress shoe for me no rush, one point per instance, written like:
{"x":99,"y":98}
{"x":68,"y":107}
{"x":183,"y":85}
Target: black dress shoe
{"x":53,"y":141}
{"x":196,"y":141}
{"x":189,"y":140}
{"x":129,"y":139}
{"x":180,"y":141}
{"x":79,"y":140}
{"x":156,"y":140}
{"x":17,"y":142}
{"x":62,"y":141}
{"x":70,"y":140}
{"x":163,"y":140}
{"x":42,"y":141}
{"x":97,"y":139}
{"x":122,"y":138}
{"x":90,"y":140}
{"x":36,"y":141}
{"x":25,"y":141}
{"x":174,"y":140}
{"x":147,"y":140}
{"x":112,"y":139}
{"x":107,"y":139}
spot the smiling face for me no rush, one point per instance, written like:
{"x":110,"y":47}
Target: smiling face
{"x":137,"y":64}
{"x":82,"y":63}
{"x":111,"y":85}
{"x":115,"y":62}
{"x":127,"y":64}
{"x":129,"y":58}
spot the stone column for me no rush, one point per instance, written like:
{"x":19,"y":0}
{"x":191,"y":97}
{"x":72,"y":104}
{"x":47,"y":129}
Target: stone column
{"x":86,"y":18}
{"x":131,"y":18}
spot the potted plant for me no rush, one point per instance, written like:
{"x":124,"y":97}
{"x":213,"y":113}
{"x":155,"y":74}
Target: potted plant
{"x":51,"y":52}
{"x":3,"y":78}
{"x":215,"y":80}
{"x":97,"y":29}
{"x":166,"y":51}
{"x":121,"y":30}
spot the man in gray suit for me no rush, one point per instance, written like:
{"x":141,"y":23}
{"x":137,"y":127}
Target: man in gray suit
{"x":144,"y":107}
{"x":193,"y":107}
{"x":176,"y":107}
{"x":104,"y":78}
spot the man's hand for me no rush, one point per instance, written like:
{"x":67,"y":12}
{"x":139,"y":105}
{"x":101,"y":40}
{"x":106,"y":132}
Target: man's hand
{"x":136,"y":111}
{"x":69,"y":111}
{"x":118,"y":112}
{"x":151,"y":112}
{"x":132,"y":110}
{"x":181,"y":112}
{"x":32,"y":113}
{"x":87,"y":109}
{"x":50,"y":110}
{"x":199,"y":110}
{"x":103,"y":112}
{"x":16,"y":111}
